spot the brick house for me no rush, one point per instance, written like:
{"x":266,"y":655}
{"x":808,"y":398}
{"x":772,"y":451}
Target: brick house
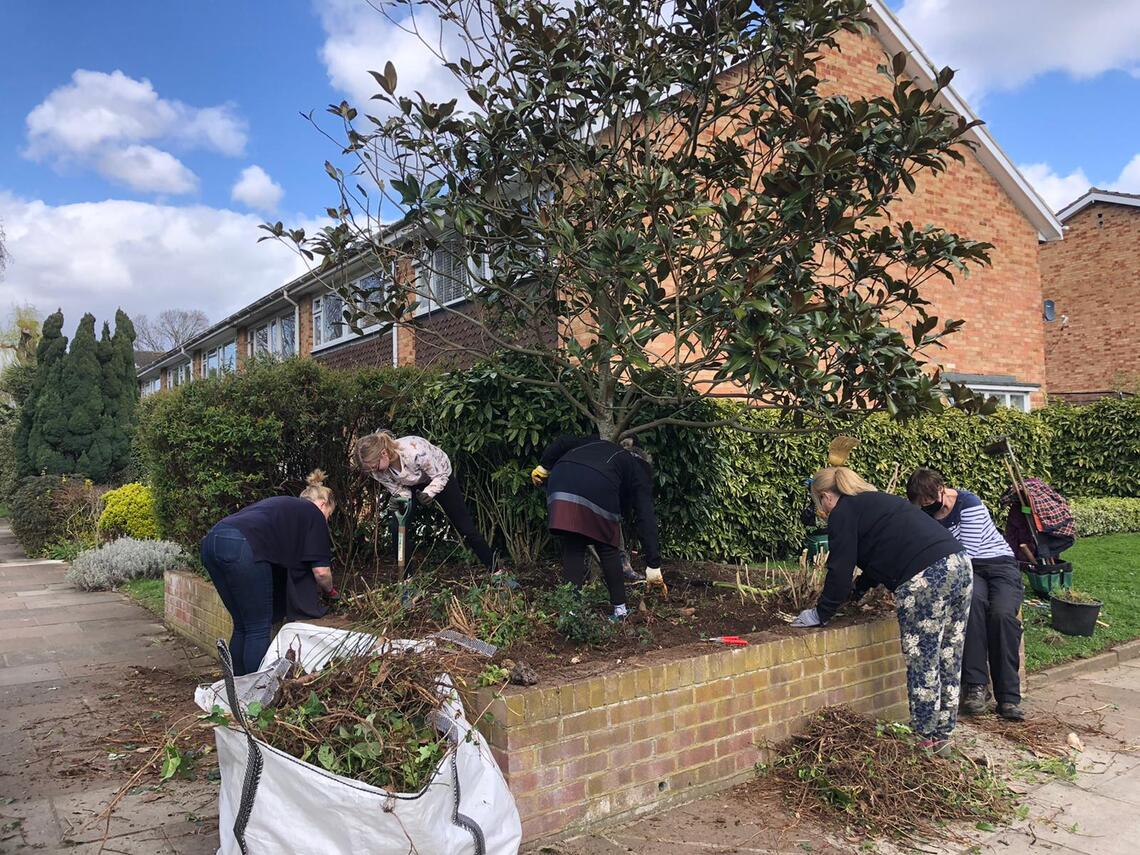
{"x":1000,"y":350}
{"x":1092,"y":278}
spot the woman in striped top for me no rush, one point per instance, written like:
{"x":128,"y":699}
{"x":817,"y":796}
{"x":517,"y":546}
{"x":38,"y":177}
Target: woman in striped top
{"x":993,"y":633}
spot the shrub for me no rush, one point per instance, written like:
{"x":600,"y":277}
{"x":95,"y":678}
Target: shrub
{"x":1105,"y":516}
{"x":121,"y":560}
{"x":50,"y":508}
{"x":67,"y":550}
{"x":128,"y":512}
{"x":1096,"y":447}
{"x":8,"y":466}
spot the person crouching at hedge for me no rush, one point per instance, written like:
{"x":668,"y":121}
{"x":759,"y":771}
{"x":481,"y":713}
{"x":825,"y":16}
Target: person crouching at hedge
{"x":418,"y":473}
{"x":896,"y":545}
{"x":993,"y":633}
{"x":271,"y":560}
{"x":590,"y":484}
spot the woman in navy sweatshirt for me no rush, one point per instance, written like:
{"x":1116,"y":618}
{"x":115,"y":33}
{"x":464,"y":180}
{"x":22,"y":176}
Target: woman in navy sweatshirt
{"x":271,"y":560}
{"x":896,"y":545}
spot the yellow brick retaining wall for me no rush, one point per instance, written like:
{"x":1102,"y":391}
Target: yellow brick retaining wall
{"x":629,"y":742}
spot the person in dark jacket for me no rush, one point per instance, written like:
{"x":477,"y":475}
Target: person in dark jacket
{"x":590,"y":484}
{"x":993,"y":633}
{"x":271,"y":560}
{"x":898,"y":546}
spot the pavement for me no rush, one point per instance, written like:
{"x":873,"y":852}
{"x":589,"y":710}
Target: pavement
{"x":71,"y":661}
{"x":76,"y":666}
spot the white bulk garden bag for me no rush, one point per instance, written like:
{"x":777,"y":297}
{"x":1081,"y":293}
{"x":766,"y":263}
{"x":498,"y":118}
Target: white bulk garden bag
{"x":271,"y":803}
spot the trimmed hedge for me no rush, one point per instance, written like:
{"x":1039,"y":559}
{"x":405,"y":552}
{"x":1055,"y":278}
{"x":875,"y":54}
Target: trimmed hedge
{"x":218,"y":444}
{"x":48,"y":509}
{"x":1096,"y":447}
{"x":128,"y":511}
{"x":1105,"y":516}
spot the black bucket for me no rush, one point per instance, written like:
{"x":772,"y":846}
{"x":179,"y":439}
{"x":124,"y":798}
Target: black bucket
{"x":1074,"y":618}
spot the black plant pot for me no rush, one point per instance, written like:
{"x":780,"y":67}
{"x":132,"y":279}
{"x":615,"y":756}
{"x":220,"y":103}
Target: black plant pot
{"x":1074,"y":618}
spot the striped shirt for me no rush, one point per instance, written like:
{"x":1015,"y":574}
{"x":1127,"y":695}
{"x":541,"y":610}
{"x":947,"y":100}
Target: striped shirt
{"x":970,"y":523}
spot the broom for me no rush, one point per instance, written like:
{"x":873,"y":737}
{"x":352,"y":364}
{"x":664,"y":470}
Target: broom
{"x":840,"y":449}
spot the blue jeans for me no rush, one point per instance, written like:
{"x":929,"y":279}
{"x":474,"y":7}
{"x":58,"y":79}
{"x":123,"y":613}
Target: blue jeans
{"x":246,"y":589}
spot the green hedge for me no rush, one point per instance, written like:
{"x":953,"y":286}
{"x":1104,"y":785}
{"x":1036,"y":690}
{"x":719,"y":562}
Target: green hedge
{"x":725,"y":494}
{"x":48,"y":509}
{"x":1096,"y":448}
{"x":1106,"y":516}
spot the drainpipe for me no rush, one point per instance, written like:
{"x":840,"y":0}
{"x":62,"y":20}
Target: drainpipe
{"x":296,"y":321}
{"x":395,"y":345}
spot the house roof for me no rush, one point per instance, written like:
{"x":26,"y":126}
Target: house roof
{"x":1095,"y":195}
{"x":895,"y":38}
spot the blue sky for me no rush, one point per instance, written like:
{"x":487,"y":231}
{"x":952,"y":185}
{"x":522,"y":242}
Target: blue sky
{"x":142,"y":142}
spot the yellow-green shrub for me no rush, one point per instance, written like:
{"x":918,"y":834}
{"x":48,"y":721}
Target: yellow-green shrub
{"x":129,"y":512}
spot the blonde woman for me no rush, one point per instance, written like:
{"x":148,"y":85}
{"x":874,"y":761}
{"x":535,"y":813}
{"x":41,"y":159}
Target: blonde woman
{"x":896,"y":545}
{"x":413,"y":470}
{"x":271,"y":560}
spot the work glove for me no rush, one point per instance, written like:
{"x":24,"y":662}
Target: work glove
{"x":538,"y":475}
{"x":398,"y":503}
{"x":653,"y":577}
{"x":808,"y":617}
{"x":332,"y":594}
{"x":424,"y":499}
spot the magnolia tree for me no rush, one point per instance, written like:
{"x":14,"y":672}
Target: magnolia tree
{"x":654,"y":201}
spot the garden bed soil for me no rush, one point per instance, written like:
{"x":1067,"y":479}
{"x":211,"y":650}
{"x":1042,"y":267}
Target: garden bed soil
{"x":658,"y":629}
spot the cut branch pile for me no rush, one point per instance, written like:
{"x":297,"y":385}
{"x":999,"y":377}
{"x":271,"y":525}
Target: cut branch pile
{"x":873,"y":777}
{"x":365,"y":717}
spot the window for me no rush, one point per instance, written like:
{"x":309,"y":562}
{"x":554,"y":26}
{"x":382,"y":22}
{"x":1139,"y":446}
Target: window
{"x":328,"y":319}
{"x":220,"y":359}
{"x":447,"y":277}
{"x":179,"y":375}
{"x":1013,"y":396}
{"x":273,"y":338}
{"x":151,"y":386}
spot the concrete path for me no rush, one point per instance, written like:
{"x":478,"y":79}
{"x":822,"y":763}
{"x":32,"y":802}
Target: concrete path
{"x":75,"y":667}
{"x":1097,"y":814}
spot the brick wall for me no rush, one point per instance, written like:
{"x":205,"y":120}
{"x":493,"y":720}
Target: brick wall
{"x":193,"y":610}
{"x":1000,"y":304}
{"x":634,"y":741}
{"x":1093,"y":276}
{"x":368,"y":352}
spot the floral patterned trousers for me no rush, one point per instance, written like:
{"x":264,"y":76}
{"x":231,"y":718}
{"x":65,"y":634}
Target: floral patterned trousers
{"x":933,"y":608}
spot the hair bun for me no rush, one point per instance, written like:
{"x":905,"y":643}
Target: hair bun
{"x":316,"y":478}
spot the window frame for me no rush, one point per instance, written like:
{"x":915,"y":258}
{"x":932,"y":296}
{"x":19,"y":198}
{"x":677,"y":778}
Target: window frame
{"x":346,"y":333}
{"x":426,"y":291}
{"x":1005,"y":393}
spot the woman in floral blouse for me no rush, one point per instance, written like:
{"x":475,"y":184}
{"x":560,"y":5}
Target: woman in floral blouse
{"x":413,"y":470}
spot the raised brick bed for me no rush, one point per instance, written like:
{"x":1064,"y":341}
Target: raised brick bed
{"x":634,"y":740}
{"x":192,"y":609}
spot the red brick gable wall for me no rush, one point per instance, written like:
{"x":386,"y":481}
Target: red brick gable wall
{"x":1093,"y":276}
{"x":1001,"y":304}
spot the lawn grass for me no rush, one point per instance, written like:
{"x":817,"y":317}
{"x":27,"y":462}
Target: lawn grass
{"x":1109,"y":569}
{"x":146,"y":592}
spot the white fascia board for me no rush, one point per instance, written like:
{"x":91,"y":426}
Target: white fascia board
{"x":895,"y":38}
{"x":1094,"y":196}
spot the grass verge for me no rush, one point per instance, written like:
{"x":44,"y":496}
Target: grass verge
{"x":1109,"y":569}
{"x":148,"y":593}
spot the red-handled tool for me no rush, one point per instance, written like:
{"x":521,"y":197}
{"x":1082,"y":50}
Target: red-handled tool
{"x":731,"y":640}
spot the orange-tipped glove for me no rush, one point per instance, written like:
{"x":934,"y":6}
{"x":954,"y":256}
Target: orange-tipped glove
{"x":653,"y":577}
{"x":538,"y":475}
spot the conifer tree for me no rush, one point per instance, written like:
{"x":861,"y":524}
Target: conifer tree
{"x":83,"y":444}
{"x":41,"y":426}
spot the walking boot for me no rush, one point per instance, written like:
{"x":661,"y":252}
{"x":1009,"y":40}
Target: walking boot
{"x":1013,"y":712}
{"x":974,"y":700}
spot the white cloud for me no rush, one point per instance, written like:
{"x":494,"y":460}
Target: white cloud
{"x":359,"y":38}
{"x":105,"y":122}
{"x":255,"y":189}
{"x":143,"y":257}
{"x":1056,"y":190}
{"x":1060,"y":190}
{"x":1001,"y":45}
{"x":145,"y":168}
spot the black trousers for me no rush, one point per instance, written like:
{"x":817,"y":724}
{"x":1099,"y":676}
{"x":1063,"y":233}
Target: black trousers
{"x":450,"y":501}
{"x":574,"y":564}
{"x":993,"y":632}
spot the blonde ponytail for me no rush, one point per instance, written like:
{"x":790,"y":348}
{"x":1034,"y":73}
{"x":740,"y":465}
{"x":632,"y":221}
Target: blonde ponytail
{"x":317,"y":491}
{"x":841,"y":480}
